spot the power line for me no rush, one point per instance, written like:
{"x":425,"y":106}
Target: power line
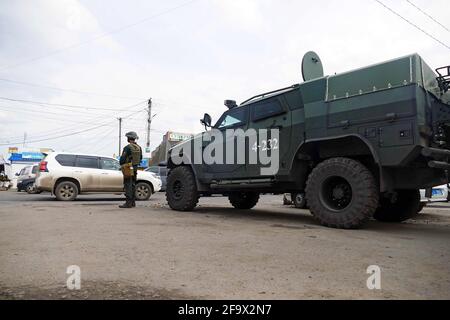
{"x":66,"y":105}
{"x":95,"y":120}
{"x":67,"y":90}
{"x":428,"y":15}
{"x":412,"y":24}
{"x":58,"y":137}
{"x":117,"y":30}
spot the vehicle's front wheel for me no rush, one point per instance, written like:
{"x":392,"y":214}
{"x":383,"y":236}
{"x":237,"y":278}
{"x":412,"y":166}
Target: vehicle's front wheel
{"x":342,"y":193}
{"x":244,"y":200}
{"x":181,"y":189}
{"x":143,"y":191}
{"x":66,"y":191}
{"x":404,"y":205}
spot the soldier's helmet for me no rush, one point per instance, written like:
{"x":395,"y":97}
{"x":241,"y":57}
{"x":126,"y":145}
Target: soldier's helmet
{"x":132,"y":135}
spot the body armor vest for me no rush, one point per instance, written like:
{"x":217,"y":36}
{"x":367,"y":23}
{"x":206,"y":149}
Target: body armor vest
{"x":135,"y":157}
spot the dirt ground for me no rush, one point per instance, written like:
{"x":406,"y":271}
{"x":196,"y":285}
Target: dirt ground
{"x":215,"y":252}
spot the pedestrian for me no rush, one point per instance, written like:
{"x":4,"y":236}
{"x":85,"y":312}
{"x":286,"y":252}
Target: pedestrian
{"x":130,"y":159}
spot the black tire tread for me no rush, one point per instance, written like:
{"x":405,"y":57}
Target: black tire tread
{"x":364,"y":204}
{"x":190,"y":201}
{"x":244,"y":200}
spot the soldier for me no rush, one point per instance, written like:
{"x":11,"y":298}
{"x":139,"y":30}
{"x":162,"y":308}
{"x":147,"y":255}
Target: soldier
{"x":132,"y":154}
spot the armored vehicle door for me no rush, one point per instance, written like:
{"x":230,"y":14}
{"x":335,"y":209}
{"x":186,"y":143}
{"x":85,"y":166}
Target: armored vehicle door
{"x":233,"y":119}
{"x":267,"y":115}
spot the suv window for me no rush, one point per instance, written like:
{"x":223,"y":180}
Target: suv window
{"x":35,"y":169}
{"x":232,"y":118}
{"x":266,"y":109}
{"x":109,"y":164}
{"x":154,"y":170}
{"x":66,"y":160}
{"x":86,"y":162}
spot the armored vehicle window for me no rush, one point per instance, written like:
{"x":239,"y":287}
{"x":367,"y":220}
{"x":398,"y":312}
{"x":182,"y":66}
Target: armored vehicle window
{"x":233,"y":118}
{"x":87,"y":162}
{"x":266,"y":109}
{"x":294,"y":100}
{"x":66,"y":160}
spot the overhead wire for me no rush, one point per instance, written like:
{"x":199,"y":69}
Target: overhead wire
{"x":413,"y":24}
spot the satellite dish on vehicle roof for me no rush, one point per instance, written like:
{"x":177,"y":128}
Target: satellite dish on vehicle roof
{"x":312,"y":67}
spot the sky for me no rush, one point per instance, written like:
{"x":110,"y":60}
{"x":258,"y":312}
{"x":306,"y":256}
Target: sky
{"x":78,"y":66}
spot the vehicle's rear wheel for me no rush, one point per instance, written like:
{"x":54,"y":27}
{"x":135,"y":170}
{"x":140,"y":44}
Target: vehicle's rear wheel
{"x":299,"y":200}
{"x":181,"y":189}
{"x":66,"y":191}
{"x":244,"y":200}
{"x":342,"y":193}
{"x":403,"y":206}
{"x":30,"y":188}
{"x":143,"y":191}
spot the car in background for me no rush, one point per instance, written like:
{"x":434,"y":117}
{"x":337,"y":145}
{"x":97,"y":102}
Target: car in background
{"x":66,"y":175}
{"x":161,"y":171}
{"x":26,"y":179}
{"x":297,"y":199}
{"x":438,"y":194}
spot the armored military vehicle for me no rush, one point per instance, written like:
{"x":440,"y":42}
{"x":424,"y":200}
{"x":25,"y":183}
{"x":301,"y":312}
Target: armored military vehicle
{"x":360,"y":144}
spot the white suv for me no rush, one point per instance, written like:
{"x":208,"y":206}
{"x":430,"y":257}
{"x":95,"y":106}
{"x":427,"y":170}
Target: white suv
{"x":66,"y":175}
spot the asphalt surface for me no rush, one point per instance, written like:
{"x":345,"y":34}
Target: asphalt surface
{"x":215,"y":252}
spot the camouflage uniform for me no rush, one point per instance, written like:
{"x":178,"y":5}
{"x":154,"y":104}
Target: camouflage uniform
{"x":131,"y":153}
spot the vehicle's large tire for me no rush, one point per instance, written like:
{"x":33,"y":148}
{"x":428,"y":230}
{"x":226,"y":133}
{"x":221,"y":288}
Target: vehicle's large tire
{"x":299,"y":200}
{"x":143,"y":191}
{"x":181,"y":189}
{"x":342,"y":193}
{"x":66,"y":191}
{"x":405,"y":206}
{"x":244,"y":200}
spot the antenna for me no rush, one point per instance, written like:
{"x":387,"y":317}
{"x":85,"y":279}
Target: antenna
{"x":312,"y":67}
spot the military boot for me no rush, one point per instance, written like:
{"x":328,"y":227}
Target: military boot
{"x":126,"y":205}
{"x":133,"y":203}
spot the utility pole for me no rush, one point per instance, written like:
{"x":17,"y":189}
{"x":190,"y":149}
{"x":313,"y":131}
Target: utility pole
{"x":149,"y":122}
{"x":24,"y":138}
{"x":120,"y":135}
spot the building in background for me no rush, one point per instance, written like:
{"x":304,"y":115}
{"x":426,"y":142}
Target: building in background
{"x":170,"y":139}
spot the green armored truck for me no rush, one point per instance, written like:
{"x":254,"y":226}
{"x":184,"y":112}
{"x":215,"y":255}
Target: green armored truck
{"x":360,"y":144}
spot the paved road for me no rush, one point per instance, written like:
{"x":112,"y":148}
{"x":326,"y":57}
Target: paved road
{"x":272,"y":252}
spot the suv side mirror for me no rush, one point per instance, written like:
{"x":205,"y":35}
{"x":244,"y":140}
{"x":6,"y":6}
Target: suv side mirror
{"x":206,"y":121}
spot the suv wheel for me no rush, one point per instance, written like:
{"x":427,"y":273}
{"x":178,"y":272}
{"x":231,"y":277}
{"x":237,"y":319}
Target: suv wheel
{"x":405,"y":205}
{"x":342,"y":193}
{"x":143,"y":191}
{"x":299,"y":200}
{"x":244,"y":200}
{"x":66,"y":191}
{"x":181,"y":189}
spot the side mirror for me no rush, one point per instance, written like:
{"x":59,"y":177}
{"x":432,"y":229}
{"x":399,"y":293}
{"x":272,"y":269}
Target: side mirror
{"x":206,"y":121}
